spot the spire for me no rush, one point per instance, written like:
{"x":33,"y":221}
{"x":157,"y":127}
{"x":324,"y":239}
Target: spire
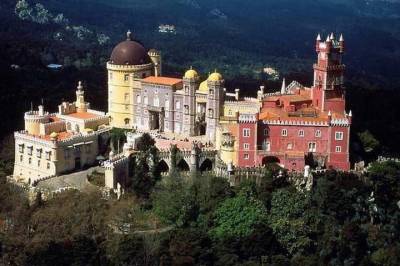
{"x":341,"y":38}
{"x":319,"y":37}
{"x":350,"y":114}
{"x":332,"y":36}
{"x":329,"y":113}
{"x":328,"y":38}
{"x":129,"y":35}
{"x":80,"y":87}
{"x":283,"y":89}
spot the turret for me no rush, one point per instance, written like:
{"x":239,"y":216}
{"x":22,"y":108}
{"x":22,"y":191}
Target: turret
{"x":155,"y":57}
{"x":283,"y":88}
{"x":190,"y":85}
{"x":81,"y":105}
{"x":215,"y":100}
{"x":341,"y":43}
{"x":317,"y":42}
{"x":33,"y":120}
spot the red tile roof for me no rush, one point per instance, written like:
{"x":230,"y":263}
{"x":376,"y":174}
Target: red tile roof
{"x":162,"y":80}
{"x":84,"y":115}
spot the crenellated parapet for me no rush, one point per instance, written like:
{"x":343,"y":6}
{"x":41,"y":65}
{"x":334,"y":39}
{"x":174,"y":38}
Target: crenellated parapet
{"x":296,"y":123}
{"x":128,"y":68}
{"x":248,"y":118}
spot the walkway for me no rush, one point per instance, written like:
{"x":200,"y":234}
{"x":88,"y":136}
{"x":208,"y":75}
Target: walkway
{"x":76,"y":180}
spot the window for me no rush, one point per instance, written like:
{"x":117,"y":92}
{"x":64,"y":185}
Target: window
{"x":246,"y":132}
{"x":166,"y":104}
{"x":38,"y":163}
{"x":30,"y":160}
{"x":126,"y":121}
{"x":187,"y":89}
{"x":126,"y":97}
{"x":210,"y":113}
{"x":246,"y":156}
{"x":266,"y":146}
{"x":138,"y":99}
{"x":21,"y":148}
{"x":312,"y":147}
{"x":246,"y":146}
{"x":30,"y":150}
{"x":290,"y":146}
{"x":126,"y":77}
{"x":266,"y":132}
{"x":318,"y":133}
{"x":186,"y":109}
{"x":145,"y":100}
{"x":156,"y":101}
{"x":301,"y":133}
{"x":21,"y":158}
{"x":338,"y":149}
{"x":166,"y":114}
{"x":48,"y":155}
{"x":177,"y":105}
{"x":48,"y":165}
{"x":338,"y":135}
{"x":284,"y":132}
{"x":211,"y":92}
{"x":230,"y":112}
{"x":39,"y":153}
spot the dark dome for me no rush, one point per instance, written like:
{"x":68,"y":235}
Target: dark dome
{"x":129,"y":53}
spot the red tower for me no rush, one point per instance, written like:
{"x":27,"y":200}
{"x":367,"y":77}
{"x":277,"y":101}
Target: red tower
{"x":328,"y":91}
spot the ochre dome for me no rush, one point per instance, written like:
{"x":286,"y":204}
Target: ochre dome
{"x":203,"y":86}
{"x":215,"y":77}
{"x":54,"y":135}
{"x":129,"y":53}
{"x":191,"y":74}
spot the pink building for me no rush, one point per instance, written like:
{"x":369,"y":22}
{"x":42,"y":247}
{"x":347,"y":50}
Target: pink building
{"x":301,"y":126}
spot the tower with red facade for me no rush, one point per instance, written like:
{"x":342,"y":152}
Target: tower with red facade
{"x":328,"y":92}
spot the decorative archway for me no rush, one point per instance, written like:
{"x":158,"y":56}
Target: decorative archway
{"x":183,"y":166}
{"x":163,"y":167}
{"x":206,"y":165}
{"x":270,"y":160}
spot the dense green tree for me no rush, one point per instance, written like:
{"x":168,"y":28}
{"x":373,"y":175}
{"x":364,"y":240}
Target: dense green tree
{"x":287,"y":219}
{"x":236,"y":217}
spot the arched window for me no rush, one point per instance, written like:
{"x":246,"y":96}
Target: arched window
{"x":166,"y":105}
{"x":127,"y":121}
{"x":177,"y":105}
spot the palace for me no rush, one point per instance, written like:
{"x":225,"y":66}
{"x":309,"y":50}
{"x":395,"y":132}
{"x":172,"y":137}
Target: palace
{"x":296,"y":127}
{"x":53,"y":144}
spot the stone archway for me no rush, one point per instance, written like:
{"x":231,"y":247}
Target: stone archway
{"x":270,"y":160}
{"x":163,"y":167}
{"x":206,"y":165}
{"x":183,"y":166}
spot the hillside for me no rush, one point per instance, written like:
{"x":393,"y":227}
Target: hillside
{"x":238,"y":38}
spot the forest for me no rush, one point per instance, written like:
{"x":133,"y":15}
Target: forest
{"x":345,"y":219}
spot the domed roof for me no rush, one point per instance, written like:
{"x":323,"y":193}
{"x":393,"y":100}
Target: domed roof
{"x":191,"y":74}
{"x":129,"y":52}
{"x":54,"y":135}
{"x":203,"y":86}
{"x":215,"y":77}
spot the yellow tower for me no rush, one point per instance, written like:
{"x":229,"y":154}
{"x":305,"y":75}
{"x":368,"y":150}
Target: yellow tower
{"x":33,"y":119}
{"x":128,"y":64}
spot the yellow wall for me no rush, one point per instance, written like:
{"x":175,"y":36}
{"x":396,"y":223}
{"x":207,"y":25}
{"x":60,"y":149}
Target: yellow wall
{"x":118,"y":87}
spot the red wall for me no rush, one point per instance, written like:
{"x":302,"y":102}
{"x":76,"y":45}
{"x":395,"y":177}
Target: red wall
{"x":339,"y":160}
{"x":252,"y":141}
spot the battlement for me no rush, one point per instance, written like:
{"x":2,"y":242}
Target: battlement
{"x":296,"y":123}
{"x":124,"y":68}
{"x":248,"y":118}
